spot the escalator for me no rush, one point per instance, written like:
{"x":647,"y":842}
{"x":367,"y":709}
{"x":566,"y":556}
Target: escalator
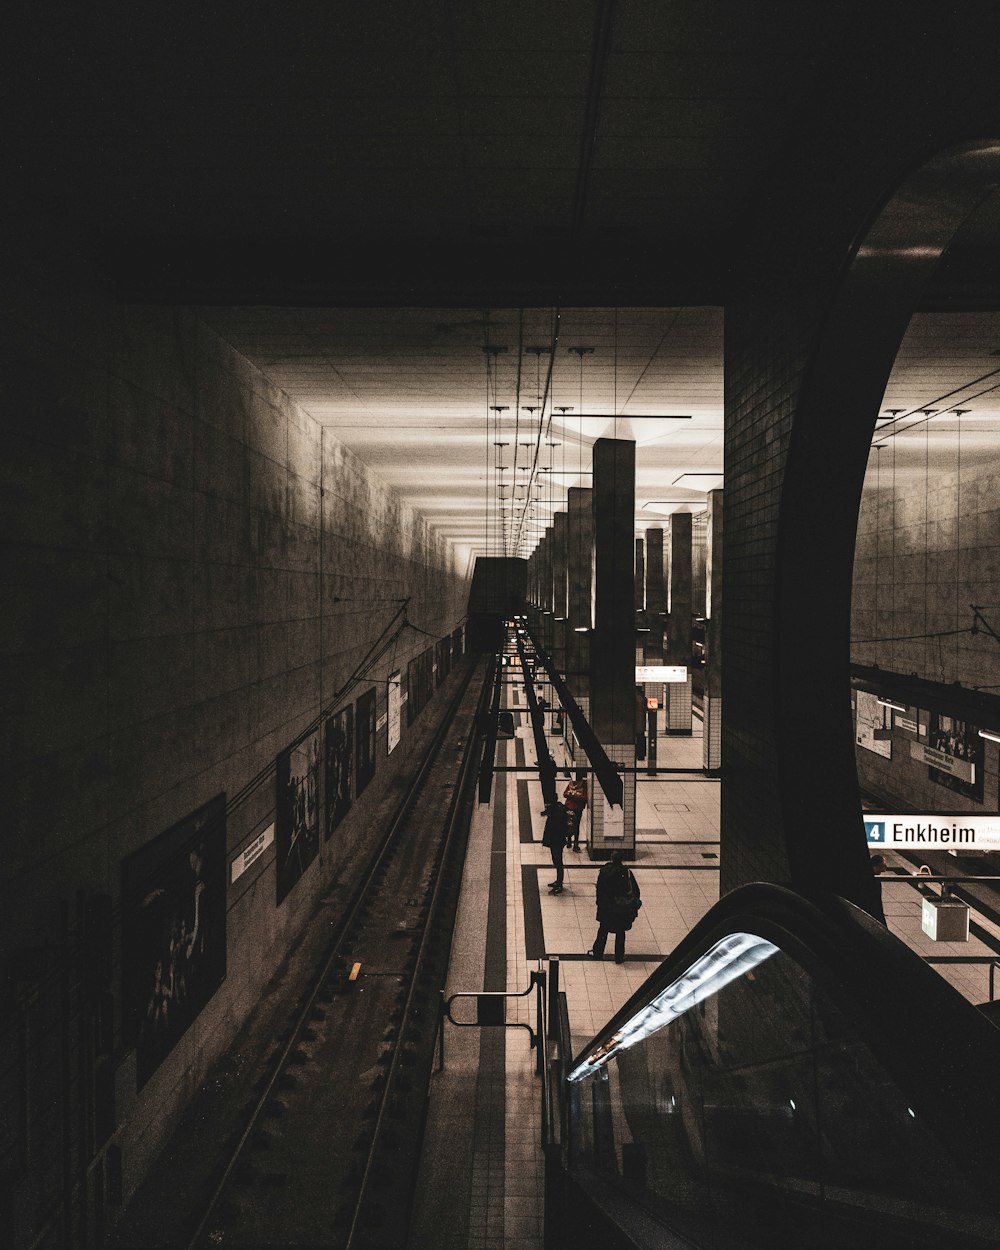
{"x":792,"y":1075}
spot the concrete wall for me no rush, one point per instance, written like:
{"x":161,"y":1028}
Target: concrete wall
{"x":925,"y":552}
{"x":194,"y":568}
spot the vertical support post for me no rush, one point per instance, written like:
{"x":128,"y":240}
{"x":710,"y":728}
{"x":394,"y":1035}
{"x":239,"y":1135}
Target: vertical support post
{"x":612,"y":651}
{"x":656,"y":599}
{"x":560,"y":589}
{"x":553,"y":1011}
{"x":712,"y":706}
{"x":651,"y":740}
{"x":539,"y":1022}
{"x":677,"y":648}
{"x":580,"y":555}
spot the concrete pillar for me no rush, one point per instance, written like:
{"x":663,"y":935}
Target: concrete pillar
{"x":677,"y":646}
{"x":712,"y":741}
{"x":640,"y":575}
{"x":580,"y":556}
{"x":560,"y":589}
{"x":612,"y":649}
{"x":547,"y":544}
{"x":656,"y":599}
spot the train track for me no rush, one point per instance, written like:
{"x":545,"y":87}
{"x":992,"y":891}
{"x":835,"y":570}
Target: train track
{"x":328,"y":1155}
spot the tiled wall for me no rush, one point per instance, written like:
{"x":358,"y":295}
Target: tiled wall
{"x":925,"y":552}
{"x":193,"y":568}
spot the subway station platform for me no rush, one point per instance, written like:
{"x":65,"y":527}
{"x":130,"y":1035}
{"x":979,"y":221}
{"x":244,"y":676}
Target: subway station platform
{"x":482,"y":1177}
{"x":482,"y":1174}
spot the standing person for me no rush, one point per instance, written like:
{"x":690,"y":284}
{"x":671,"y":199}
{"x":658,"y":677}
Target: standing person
{"x":576,"y":796}
{"x":554,"y":837}
{"x":618,"y":904}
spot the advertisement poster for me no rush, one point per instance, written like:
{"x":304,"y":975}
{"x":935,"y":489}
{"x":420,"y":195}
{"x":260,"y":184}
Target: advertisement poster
{"x":958,"y":760}
{"x":365,"y":739}
{"x":297,"y":825}
{"x":339,"y":766}
{"x":173,"y":932}
{"x":871,"y":715}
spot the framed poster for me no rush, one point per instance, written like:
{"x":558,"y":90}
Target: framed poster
{"x":173,"y":932}
{"x":365,"y":739}
{"x":870,"y":715}
{"x":296,"y":833}
{"x":395,"y":707}
{"x":339,"y":766}
{"x":957,"y":750}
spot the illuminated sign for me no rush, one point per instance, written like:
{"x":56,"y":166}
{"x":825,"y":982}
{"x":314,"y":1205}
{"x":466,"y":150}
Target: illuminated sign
{"x":928,"y":832}
{"x":660,"y":672}
{"x":652,"y":705}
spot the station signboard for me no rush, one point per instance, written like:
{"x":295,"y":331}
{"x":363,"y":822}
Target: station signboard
{"x":963,"y":769}
{"x":927,"y":833}
{"x":660,"y":672}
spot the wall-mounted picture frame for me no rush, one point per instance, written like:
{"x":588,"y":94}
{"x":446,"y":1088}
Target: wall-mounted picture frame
{"x":339,"y":766}
{"x":173,"y":932}
{"x":296,"y":834}
{"x":364,"y":723}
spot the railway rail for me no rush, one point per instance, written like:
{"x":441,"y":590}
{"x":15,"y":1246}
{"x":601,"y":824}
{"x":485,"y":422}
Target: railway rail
{"x":329,"y":1151}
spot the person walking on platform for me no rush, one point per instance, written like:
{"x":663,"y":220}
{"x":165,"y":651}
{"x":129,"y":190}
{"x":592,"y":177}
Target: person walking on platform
{"x":554,"y":837}
{"x":575,"y":795}
{"x":618,"y":904}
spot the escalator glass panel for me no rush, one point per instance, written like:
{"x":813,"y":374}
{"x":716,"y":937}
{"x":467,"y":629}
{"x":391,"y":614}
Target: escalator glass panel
{"x":753,"y":1113}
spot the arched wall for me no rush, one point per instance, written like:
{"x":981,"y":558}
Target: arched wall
{"x":833,"y":273}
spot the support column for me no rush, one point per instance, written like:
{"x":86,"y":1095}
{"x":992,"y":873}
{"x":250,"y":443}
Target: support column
{"x":612,"y":651}
{"x":677,"y":647}
{"x":712,"y":741}
{"x":656,"y":599}
{"x":580,"y":559}
{"x":560,"y":587}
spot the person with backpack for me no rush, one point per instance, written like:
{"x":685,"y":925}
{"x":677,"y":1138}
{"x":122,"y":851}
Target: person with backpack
{"x":575,"y":796}
{"x":618,"y":904}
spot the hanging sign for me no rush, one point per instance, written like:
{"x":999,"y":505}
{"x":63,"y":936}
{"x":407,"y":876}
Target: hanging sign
{"x":395,"y":703}
{"x":660,"y":672}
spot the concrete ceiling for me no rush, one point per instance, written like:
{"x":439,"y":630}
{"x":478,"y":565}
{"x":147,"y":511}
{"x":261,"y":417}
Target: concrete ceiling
{"x":365,"y":196}
{"x":424,"y":396}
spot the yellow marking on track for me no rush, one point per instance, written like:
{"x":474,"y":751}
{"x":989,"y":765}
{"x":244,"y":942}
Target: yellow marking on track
{"x":354,"y":972}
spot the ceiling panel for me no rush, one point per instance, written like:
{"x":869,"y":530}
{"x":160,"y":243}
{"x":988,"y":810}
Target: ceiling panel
{"x":411,"y":392}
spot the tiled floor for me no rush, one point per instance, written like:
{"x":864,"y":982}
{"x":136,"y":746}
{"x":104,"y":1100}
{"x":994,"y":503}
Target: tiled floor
{"x":676,"y":865}
{"x":901,"y":903}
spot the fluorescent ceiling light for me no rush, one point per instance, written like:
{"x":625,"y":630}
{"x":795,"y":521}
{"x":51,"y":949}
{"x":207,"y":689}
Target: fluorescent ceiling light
{"x":896,"y":707}
{"x":985,"y":733}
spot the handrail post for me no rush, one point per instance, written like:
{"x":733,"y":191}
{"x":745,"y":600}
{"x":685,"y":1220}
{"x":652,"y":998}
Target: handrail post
{"x":553,"y":1029}
{"x":540,"y":1022}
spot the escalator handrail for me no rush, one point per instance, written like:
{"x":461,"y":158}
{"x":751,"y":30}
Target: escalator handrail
{"x":941,"y":1051}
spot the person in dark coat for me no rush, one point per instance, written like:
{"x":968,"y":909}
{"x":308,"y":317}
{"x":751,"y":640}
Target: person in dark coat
{"x":554,"y":837}
{"x":618,"y":904}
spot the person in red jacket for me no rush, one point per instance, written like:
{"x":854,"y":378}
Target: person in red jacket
{"x":575,"y":796}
